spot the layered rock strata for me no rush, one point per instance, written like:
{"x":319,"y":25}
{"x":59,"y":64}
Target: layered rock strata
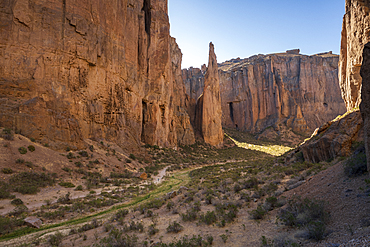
{"x":208,"y":111}
{"x":71,"y":70}
{"x":355,"y":34}
{"x":365,"y":104}
{"x":301,"y":92}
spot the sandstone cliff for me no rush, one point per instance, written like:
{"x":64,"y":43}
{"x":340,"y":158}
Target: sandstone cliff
{"x":71,"y":70}
{"x":355,"y":34}
{"x":208,"y":111}
{"x":365,"y":104}
{"x":301,"y":92}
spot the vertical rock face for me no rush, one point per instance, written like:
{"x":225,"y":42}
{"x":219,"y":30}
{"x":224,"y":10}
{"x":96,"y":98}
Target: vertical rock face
{"x":355,"y":34}
{"x":365,"y":104}
{"x":71,"y":70}
{"x":209,"y":112}
{"x":299,"y":91}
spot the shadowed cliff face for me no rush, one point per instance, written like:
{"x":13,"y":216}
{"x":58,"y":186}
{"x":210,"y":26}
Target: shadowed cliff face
{"x":365,"y":104}
{"x":299,"y":91}
{"x":355,"y":34}
{"x":71,"y":70}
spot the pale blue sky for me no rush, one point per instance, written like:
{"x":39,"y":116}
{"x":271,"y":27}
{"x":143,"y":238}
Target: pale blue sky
{"x":242,"y":28}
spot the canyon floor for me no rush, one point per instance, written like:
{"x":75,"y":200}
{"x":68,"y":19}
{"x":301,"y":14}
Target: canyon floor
{"x":243,"y":194}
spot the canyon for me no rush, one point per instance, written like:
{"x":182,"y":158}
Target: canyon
{"x":108,"y":141}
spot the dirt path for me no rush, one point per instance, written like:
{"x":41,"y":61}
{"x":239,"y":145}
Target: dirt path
{"x":158,"y":179}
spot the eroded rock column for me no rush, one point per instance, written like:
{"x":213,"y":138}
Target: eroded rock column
{"x":211,"y":127}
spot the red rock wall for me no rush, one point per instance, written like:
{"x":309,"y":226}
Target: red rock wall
{"x":71,"y":70}
{"x":266,"y":90}
{"x":355,"y":34}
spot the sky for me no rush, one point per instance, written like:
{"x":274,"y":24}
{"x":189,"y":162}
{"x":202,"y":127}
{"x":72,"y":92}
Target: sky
{"x":243,"y":28}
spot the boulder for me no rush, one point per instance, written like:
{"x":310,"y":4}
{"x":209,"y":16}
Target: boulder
{"x":33,"y":221}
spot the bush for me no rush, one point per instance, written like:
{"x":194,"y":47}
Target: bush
{"x":17,"y":201}
{"x":7,"y":170}
{"x":22,"y":150}
{"x":83,"y":154}
{"x":31,"y":148}
{"x":7,"y":134}
{"x":5,"y":190}
{"x":209,"y":218}
{"x":78,"y":164}
{"x":258,"y":213}
{"x":316,"y":230}
{"x":7,"y":225}
{"x":174,"y":227}
{"x":133,"y":157}
{"x":356,"y":164}
{"x":152,"y":230}
{"x":70,"y":155}
{"x":19,"y":161}
{"x":190,"y":215}
{"x":55,"y":239}
{"x":30,"y":182}
{"x":117,"y":238}
{"x":306,"y":213}
{"x":67,"y":184}
{"x":79,"y":187}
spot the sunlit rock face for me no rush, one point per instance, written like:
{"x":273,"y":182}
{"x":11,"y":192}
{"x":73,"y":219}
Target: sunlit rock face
{"x":299,"y":91}
{"x":355,"y":34}
{"x":71,"y":70}
{"x":365,"y":104}
{"x":208,"y":111}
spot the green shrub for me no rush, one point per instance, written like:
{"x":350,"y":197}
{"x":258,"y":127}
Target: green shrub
{"x":5,"y":190}
{"x":7,"y":170}
{"x":55,"y":239}
{"x":31,"y":148}
{"x":152,"y":230}
{"x":7,"y":225}
{"x":83,"y":154}
{"x":117,"y":238}
{"x":17,"y":201}
{"x":209,"y":218}
{"x":356,"y":164}
{"x":224,"y":237}
{"x":79,"y":187}
{"x":78,"y":164}
{"x":7,"y":134}
{"x":70,"y":155}
{"x":258,"y":213}
{"x":133,"y":157}
{"x":19,"y":161}
{"x":22,"y":150}
{"x":32,"y":139}
{"x":305,"y":213}
{"x":30,"y":182}
{"x":174,"y":227}
{"x":190,"y":215}
{"x":67,"y":184}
